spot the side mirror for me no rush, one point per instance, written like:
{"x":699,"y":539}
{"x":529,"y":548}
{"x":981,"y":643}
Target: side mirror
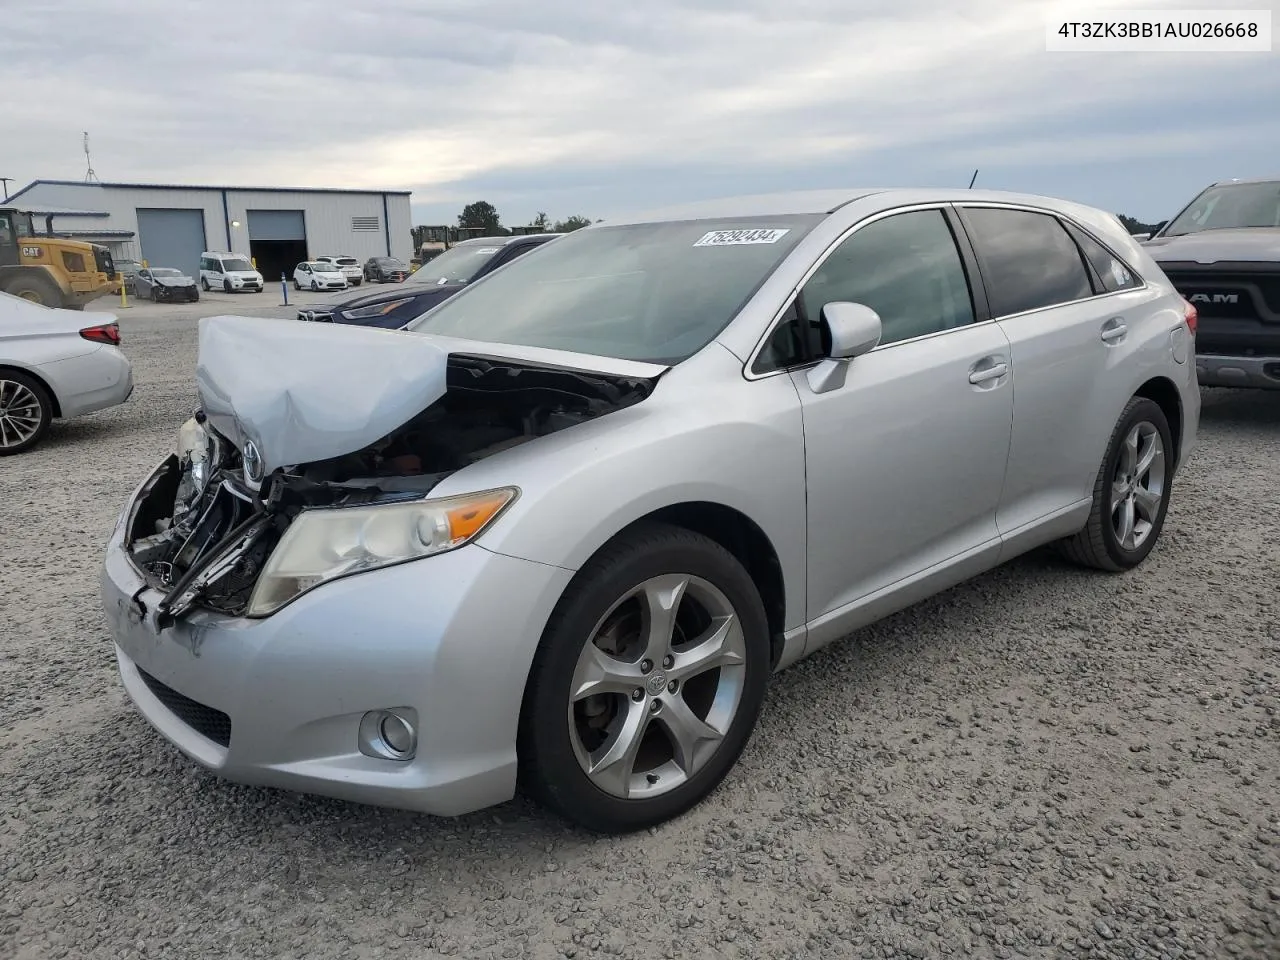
{"x":855,"y":329}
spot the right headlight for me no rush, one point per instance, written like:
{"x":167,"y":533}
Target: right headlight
{"x":377,"y":310}
{"x":324,"y":544}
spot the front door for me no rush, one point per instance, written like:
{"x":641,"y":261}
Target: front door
{"x":905,"y":461}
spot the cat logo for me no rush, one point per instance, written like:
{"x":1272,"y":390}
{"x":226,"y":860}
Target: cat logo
{"x":34,"y":253}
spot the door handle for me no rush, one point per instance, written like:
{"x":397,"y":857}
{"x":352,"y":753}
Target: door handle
{"x":1114,"y":330}
{"x":985,"y":374}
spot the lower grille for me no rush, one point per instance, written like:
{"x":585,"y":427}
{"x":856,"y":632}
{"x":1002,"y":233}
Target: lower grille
{"x":206,"y":721}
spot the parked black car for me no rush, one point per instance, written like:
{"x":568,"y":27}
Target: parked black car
{"x":1222,"y":253}
{"x":434,"y":282}
{"x":384,"y":270}
{"x":164,"y":283}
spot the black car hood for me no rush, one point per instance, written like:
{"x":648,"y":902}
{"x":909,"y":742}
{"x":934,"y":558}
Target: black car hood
{"x":387,"y":294}
{"x":1245,"y":244}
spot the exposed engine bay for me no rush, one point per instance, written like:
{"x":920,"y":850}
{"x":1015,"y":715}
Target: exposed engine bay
{"x":202,"y":531}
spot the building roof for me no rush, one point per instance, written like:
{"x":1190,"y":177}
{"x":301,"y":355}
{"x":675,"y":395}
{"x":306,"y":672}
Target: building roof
{"x":202,"y":186}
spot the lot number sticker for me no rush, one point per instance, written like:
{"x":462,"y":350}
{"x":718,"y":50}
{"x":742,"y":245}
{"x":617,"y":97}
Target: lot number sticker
{"x":729,"y":238}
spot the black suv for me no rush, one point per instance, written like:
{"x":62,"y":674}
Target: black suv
{"x":433,"y":282}
{"x":1222,"y":253}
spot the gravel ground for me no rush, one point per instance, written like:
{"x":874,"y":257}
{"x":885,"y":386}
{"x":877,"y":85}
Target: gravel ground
{"x":1043,"y":762}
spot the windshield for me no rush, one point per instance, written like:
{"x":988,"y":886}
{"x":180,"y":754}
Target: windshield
{"x":236,"y":263}
{"x":656,"y":292}
{"x":165,"y":272}
{"x":457,"y":265}
{"x":1230,"y":205}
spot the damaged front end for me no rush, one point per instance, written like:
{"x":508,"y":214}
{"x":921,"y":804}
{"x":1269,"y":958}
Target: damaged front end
{"x":209,"y":522}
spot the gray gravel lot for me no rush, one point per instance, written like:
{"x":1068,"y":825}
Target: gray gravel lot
{"x":1044,"y":762}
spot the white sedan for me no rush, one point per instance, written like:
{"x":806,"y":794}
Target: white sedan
{"x":55,"y":363}
{"x":318,"y":275}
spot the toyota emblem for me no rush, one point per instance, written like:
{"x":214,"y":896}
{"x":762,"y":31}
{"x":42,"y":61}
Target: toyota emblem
{"x":252,"y":462}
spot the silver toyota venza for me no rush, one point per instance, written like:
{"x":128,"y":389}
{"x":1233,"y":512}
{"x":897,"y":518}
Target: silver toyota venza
{"x":559,"y":533}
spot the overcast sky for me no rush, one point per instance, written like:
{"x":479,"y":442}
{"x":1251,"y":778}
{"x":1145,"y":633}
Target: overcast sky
{"x":602,"y":108}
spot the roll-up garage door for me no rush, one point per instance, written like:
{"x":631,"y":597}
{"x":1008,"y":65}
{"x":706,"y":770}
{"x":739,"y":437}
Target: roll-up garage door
{"x":277,"y":225}
{"x":172,"y":238}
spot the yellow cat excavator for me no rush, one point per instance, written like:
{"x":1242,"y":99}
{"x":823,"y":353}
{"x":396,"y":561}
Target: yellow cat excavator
{"x":49,"y":269}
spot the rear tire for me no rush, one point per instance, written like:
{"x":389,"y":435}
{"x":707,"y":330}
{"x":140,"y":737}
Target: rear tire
{"x":714,"y":650}
{"x":1131,"y":493}
{"x":25,"y":412}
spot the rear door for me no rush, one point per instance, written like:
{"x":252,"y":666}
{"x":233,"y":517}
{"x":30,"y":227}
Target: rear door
{"x":1071,"y":339}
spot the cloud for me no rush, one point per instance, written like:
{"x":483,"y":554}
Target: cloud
{"x":611,"y":104}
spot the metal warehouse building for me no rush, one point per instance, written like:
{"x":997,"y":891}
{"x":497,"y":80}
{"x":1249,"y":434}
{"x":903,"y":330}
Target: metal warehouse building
{"x":170,"y":225}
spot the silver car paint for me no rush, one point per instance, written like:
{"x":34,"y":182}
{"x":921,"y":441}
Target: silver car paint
{"x":309,"y":406}
{"x":873,"y":495}
{"x":84,"y":376}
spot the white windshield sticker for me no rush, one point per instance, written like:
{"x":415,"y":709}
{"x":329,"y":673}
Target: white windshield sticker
{"x":727,"y":238}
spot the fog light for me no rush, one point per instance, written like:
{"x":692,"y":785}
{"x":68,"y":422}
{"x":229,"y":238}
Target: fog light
{"x":389,"y":734}
{"x":397,"y":734}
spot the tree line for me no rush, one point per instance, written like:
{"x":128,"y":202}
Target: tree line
{"x":483,"y":216}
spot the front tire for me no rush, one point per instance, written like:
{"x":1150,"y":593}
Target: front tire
{"x":1130,"y":494}
{"x":25,"y":412}
{"x":314,"y":285}
{"x":647,"y":682}
{"x":226,"y":286}
{"x":205,"y":284}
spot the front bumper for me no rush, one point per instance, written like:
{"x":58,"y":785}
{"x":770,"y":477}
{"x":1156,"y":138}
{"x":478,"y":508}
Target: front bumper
{"x":191,"y":292}
{"x":430,"y":635}
{"x":1226,"y":370}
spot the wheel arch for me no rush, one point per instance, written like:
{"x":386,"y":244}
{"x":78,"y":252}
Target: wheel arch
{"x":48,"y":389}
{"x":737,"y":533}
{"x":1163,"y":393}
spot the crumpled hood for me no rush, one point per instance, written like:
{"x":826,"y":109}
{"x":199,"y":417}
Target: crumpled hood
{"x":1246,"y":244}
{"x":308,"y":392}
{"x":173,"y":281}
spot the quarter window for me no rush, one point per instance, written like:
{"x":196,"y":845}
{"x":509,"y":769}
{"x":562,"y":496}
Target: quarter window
{"x":1028,"y":260}
{"x":1111,"y":269}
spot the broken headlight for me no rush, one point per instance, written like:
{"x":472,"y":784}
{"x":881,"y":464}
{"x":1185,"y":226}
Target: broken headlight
{"x":324,"y":544}
{"x":196,"y":451}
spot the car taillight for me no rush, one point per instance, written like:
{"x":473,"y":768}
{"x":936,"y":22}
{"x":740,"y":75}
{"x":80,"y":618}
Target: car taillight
{"x":1191,"y":315}
{"x":104,"y":333}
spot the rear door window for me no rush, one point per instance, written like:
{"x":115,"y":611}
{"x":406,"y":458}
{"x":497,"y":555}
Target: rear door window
{"x":1028,"y":260}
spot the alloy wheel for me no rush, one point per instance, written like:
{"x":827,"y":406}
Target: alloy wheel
{"x":1138,"y":487}
{"x":20,"y":413}
{"x":657,"y":686}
